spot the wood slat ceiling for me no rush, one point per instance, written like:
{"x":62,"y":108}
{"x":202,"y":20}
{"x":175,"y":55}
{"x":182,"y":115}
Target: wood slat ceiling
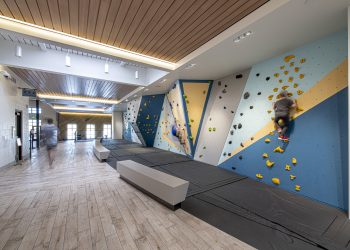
{"x":166,"y":29}
{"x":49,"y":83}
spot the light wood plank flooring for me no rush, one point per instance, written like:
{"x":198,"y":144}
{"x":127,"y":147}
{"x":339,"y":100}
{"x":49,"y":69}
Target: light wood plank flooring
{"x":81,"y":203}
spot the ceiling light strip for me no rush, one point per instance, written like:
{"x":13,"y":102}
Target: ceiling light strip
{"x":78,"y":98}
{"x":59,"y":107}
{"x":60,"y":37}
{"x":77,"y":113}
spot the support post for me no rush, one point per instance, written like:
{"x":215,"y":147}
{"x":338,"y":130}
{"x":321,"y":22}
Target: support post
{"x":37,"y":124}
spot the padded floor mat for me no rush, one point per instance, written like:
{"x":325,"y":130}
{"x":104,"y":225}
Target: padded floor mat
{"x":164,"y":157}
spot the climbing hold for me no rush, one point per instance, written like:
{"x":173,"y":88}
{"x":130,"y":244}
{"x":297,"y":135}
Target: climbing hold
{"x":288,"y":58}
{"x":242,"y":145}
{"x":270,"y":97}
{"x":219,"y":83}
{"x":269,"y":163}
{"x":302,"y":60}
{"x":241,"y":114}
{"x":295,"y":85}
{"x":191,"y":137}
{"x":204,"y":147}
{"x":286,"y":72}
{"x":239,"y":126}
{"x":225,"y":86}
{"x":269,"y":111}
{"x":224,"y":107}
{"x":298,"y":109}
{"x":280,"y":122}
{"x":276,"y":181}
{"x":224,"y":91}
{"x":231,"y":132}
{"x":192,"y":120}
{"x":294,"y":161}
{"x":267,"y":78}
{"x":229,"y":154}
{"x":257,"y":75}
{"x":276,"y":75}
{"x":290,"y":94}
{"x":278,"y":150}
{"x":204,"y":92}
{"x":271,"y":133}
{"x":251,"y":107}
{"x":267,"y":140}
{"x":297,"y":187}
{"x":287,"y":167}
{"x":300,"y":92}
{"x":290,"y":79}
{"x":224,"y":153}
{"x":232,"y":111}
{"x":285,"y":87}
{"x":275,"y":89}
{"x":296,"y":69}
{"x":259,"y":176}
{"x":291,"y":64}
{"x":235,"y":126}
{"x":301,"y":76}
{"x":230,"y":142}
{"x":239,"y":76}
{"x":282,"y":67}
{"x":252,"y":138}
{"x":200,"y":156}
{"x":220,"y":97}
{"x":280,"y":80}
{"x":240,"y":157}
{"x":246,"y":95}
{"x":214,"y":129}
{"x":259,"y":93}
{"x":265,"y":155}
{"x":292,"y":177}
{"x":209,"y":129}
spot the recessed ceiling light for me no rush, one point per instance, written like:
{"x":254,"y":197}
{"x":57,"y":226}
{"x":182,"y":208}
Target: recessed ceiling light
{"x":146,"y":90}
{"x":59,"y":107}
{"x":77,"y":98}
{"x":242,"y":36}
{"x":79,"y":113}
{"x":18,"y":51}
{"x":191,"y":65}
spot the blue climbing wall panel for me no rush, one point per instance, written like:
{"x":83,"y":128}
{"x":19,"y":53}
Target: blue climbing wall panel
{"x":148,"y":117}
{"x":318,"y":142}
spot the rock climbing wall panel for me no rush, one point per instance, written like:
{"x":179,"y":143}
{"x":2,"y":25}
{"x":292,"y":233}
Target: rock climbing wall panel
{"x":130,"y":116}
{"x":148,"y":117}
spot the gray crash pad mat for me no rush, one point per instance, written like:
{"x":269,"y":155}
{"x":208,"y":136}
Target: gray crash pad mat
{"x":164,"y":157}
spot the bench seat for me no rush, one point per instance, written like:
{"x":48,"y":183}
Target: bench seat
{"x":165,"y":188}
{"x":100,"y":151}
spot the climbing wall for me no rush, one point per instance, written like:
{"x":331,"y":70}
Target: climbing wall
{"x":165,"y":139}
{"x":314,"y":162}
{"x":130,"y":116}
{"x":148,"y":117}
{"x":221,"y":109}
{"x":195,"y":98}
{"x":175,"y":99}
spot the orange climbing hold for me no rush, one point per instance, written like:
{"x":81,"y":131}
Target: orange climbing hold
{"x":291,"y":64}
{"x":285,"y":87}
{"x":290,"y":79}
{"x":300,"y":92}
{"x":302,"y":60}
{"x":296,"y":69}
{"x":276,"y":75}
{"x":288,"y":58}
{"x":275,"y":89}
{"x":301,"y":76}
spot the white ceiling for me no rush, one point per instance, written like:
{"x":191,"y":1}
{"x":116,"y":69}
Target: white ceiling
{"x":293,"y":24}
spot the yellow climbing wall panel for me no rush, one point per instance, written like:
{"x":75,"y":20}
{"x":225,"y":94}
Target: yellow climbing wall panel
{"x":195,"y":95}
{"x":331,"y":84}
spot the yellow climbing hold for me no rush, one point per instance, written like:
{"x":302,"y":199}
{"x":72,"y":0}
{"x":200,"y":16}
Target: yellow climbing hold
{"x":267,"y":140}
{"x":276,"y":181}
{"x":288,"y":58}
{"x":276,"y":75}
{"x":298,"y":109}
{"x":300,"y":92}
{"x":285,"y":87}
{"x":290,"y":79}
{"x":294,"y":161}
{"x":296,"y":69}
{"x":295,"y":85}
{"x":297,"y":187}
{"x":302,"y":60}
{"x":147,"y":118}
{"x":278,"y":150}
{"x":265,"y":155}
{"x":214,"y":129}
{"x":270,"y":97}
{"x":275,"y":89}
{"x":301,"y":76}
{"x":280,"y":80}
{"x":286,"y":72}
{"x":271,"y":133}
{"x":269,"y":163}
{"x":269,"y":111}
{"x":282,"y":67}
{"x":290,"y":94}
{"x":287,"y":167}
{"x":291,"y":64}
{"x":259,"y":176}
{"x":292,"y":177}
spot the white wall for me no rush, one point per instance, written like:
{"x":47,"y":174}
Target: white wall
{"x":117,"y":125}
{"x":10,"y":100}
{"x":46,"y":112}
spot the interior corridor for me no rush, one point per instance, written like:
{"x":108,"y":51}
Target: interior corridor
{"x":81,"y":203}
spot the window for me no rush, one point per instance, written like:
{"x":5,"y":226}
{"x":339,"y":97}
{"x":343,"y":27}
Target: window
{"x":32,"y":125}
{"x":71,"y":129}
{"x":107,"y":131}
{"x":33,"y":110}
{"x":90,"y":131}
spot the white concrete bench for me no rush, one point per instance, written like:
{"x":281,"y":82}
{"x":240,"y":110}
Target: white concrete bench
{"x":100,"y":151}
{"x":165,"y":188}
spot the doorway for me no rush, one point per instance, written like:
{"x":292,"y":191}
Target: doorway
{"x":19,"y":139}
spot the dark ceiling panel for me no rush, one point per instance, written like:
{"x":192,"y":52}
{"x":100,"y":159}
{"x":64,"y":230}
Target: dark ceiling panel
{"x":166,"y":29}
{"x":50,"y":83}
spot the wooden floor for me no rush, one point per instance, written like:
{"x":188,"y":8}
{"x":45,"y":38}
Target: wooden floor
{"x":80,"y":203}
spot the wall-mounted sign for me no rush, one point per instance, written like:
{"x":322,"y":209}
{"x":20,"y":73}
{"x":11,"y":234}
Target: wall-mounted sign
{"x":29,"y":92}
